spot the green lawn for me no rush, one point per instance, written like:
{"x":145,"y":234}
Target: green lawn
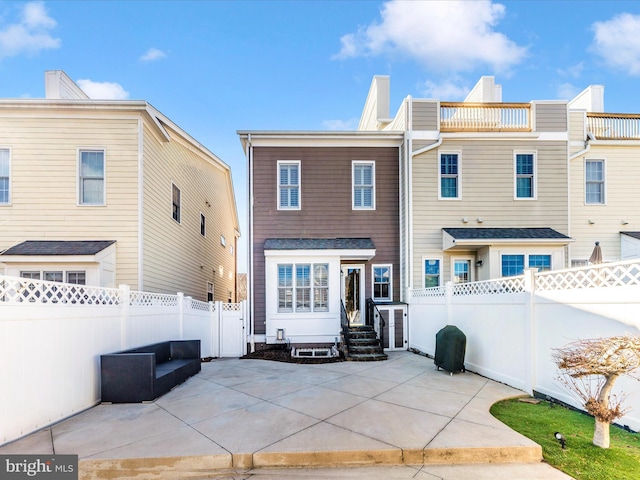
{"x":581,"y":459}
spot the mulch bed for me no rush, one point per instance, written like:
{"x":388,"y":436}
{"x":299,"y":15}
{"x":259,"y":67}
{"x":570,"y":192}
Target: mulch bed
{"x":284,"y":355}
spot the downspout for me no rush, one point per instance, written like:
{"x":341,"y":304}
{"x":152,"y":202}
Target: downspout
{"x":249,"y":154}
{"x":587,"y":147}
{"x":140,"y":205}
{"x":410,"y":196}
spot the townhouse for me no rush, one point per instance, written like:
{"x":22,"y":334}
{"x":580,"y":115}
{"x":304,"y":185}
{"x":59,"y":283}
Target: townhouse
{"x":112,"y":192}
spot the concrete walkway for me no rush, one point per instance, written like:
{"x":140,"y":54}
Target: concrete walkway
{"x":253,"y":418}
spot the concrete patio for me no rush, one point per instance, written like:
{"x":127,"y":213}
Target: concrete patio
{"x":238,"y":418}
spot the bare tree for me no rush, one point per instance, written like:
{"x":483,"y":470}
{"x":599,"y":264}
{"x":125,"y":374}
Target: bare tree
{"x":589,"y":368}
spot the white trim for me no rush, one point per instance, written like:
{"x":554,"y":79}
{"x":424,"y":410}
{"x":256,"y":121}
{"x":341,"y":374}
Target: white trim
{"x":424,"y":273}
{"x":8,"y":203}
{"x":355,"y":163}
{"x":373,"y":281}
{"x":345,"y":254}
{"x":140,"y":204}
{"x":534,"y":186}
{"x":179,"y":219}
{"x":458,"y":176}
{"x":526,"y":256}
{"x":278,"y":196}
{"x":79,"y":151}
{"x":203,"y":224}
{"x":363,"y":278}
{"x":604,"y":181}
{"x":463,"y":258}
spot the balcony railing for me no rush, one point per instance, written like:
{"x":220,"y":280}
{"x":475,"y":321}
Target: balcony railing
{"x":614,"y":126}
{"x":485,"y":117}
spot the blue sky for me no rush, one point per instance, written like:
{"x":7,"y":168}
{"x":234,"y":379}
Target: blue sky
{"x":215,"y":67}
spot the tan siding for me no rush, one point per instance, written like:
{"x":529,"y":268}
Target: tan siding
{"x":44,"y":182}
{"x":425,"y":115}
{"x":487,"y":193}
{"x":175,"y":252}
{"x":577,"y":122}
{"x":326,"y":206}
{"x":622,"y":201}
{"x":551,"y":117}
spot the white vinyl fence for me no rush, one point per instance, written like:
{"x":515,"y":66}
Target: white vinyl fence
{"x":52,"y":335}
{"x":512,"y":325}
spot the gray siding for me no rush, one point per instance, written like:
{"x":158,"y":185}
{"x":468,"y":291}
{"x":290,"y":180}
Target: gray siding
{"x":551,"y":117}
{"x":425,"y":115}
{"x":326,"y":207}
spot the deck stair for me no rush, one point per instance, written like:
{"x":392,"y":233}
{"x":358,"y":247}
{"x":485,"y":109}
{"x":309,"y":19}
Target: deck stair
{"x":363,"y":344}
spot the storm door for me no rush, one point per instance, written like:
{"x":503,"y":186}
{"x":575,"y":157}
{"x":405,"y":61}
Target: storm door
{"x":353,"y":293}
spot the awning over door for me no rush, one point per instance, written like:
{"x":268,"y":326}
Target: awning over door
{"x":474,"y":238}
{"x":345,"y":248}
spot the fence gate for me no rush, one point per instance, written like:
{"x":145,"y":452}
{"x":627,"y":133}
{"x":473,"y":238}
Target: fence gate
{"x":232,"y":338}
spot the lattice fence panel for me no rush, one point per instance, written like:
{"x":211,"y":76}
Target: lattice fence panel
{"x":429,"y":292}
{"x":490,"y":287}
{"x":619,"y":274}
{"x":144,"y":299}
{"x":16,"y":290}
{"x":231,"y":307}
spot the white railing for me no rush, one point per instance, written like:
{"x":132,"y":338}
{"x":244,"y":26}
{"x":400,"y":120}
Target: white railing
{"x":462,"y":116}
{"x":485,"y":287}
{"x":614,"y":126}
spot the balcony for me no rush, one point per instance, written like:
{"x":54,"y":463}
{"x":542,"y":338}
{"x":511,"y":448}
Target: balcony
{"x":614,"y":126}
{"x":485,"y":117}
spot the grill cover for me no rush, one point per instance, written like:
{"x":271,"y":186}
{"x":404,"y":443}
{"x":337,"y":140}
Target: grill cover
{"x":451,"y":344}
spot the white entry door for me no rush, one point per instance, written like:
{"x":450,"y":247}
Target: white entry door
{"x":353,"y":293}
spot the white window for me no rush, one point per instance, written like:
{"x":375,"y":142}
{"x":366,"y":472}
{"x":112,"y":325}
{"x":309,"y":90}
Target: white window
{"x":203,"y":225}
{"x":78,"y":278}
{"x":449,"y":176}
{"x":431,"y":272}
{"x":461,"y":270}
{"x":91,"y":173}
{"x":5,"y":177}
{"x":210,"y":292}
{"x":382,"y":283}
{"x":289,"y":185}
{"x":525,"y":175}
{"x":176,"y":202}
{"x":305,"y":284}
{"x":594,"y":187}
{"x":363,"y":185}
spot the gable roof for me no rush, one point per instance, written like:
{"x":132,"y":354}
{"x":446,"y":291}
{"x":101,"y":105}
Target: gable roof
{"x":59,"y":247}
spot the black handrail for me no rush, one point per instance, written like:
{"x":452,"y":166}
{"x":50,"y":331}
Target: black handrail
{"x":372,"y":311}
{"x":344,"y":322}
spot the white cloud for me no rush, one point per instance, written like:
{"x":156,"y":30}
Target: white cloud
{"x":153,"y":54}
{"x":573,"y":71}
{"x":451,"y":35}
{"x":337,"y":125}
{"x":568,"y":91}
{"x":30,"y":34}
{"x":103,"y":90}
{"x":448,"y":90}
{"x":618,"y":43}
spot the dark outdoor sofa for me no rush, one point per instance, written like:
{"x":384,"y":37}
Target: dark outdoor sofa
{"x":144,"y":373}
